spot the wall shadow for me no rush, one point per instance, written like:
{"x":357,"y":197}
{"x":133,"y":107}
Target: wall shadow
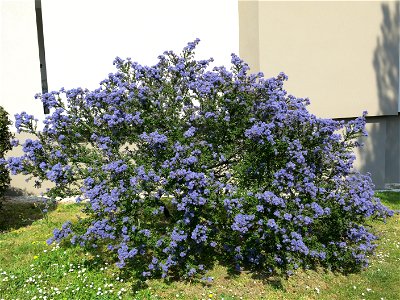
{"x":381,"y":156}
{"x":386,"y":59}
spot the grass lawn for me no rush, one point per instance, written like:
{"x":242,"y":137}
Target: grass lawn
{"x":29,"y":269}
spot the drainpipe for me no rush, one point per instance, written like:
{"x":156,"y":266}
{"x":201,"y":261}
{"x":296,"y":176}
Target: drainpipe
{"x":42,"y":56}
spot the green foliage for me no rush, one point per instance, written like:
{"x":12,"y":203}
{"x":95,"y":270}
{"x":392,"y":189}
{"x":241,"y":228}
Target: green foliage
{"x":5,"y":136}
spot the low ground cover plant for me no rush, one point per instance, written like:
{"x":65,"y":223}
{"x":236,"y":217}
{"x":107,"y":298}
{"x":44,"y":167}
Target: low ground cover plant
{"x":185,"y":165}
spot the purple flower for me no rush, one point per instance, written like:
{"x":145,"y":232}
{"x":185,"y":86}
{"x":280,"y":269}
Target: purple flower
{"x":15,"y":164}
{"x":199,"y":234}
{"x":154,"y":139}
{"x":146,"y":232}
{"x":243,"y":223}
{"x":271,"y":224}
{"x":23,"y":120}
{"x":190,"y":132}
{"x":118,"y":166}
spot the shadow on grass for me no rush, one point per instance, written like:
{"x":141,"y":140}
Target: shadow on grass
{"x":15,"y":213}
{"x":273,"y":281}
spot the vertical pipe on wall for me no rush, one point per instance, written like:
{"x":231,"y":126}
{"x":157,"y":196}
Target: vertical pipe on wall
{"x":42,"y":56}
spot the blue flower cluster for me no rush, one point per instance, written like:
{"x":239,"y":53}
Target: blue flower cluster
{"x":185,"y":165}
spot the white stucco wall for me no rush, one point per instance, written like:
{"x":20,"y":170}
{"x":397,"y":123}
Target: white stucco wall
{"x":82,"y":38}
{"x":19,"y":58}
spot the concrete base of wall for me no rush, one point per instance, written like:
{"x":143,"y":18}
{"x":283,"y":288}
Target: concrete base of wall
{"x":380,"y":154}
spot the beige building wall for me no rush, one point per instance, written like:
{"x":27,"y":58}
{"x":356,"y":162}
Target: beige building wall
{"x":343,"y":56}
{"x":249,"y":36}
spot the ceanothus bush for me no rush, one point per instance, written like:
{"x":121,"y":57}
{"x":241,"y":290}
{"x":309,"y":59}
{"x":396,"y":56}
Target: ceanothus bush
{"x":185,"y":165}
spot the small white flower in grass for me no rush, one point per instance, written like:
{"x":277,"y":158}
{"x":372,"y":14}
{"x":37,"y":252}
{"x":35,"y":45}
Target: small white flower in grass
{"x":354,"y":287}
{"x":368,"y":289}
{"x":317,"y":290}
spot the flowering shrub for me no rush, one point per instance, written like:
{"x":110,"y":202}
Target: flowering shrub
{"x":185,"y":165}
{"x":5,"y":145}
